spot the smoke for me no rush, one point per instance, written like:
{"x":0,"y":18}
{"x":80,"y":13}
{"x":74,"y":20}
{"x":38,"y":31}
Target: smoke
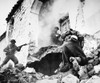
{"x":50,"y":14}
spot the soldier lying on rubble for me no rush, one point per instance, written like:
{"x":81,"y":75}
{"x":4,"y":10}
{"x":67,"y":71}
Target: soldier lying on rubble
{"x":72,"y":48}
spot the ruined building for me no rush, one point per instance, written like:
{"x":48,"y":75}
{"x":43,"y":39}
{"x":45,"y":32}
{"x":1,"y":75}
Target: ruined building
{"x":32,"y":21}
{"x":25,"y":24}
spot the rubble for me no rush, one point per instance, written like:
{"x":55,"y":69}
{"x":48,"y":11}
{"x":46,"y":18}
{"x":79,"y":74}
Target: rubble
{"x":94,"y":79}
{"x":97,"y":68}
{"x":85,"y":72}
{"x":47,"y":60}
{"x":41,"y":68}
{"x":70,"y":79}
{"x":48,"y":81}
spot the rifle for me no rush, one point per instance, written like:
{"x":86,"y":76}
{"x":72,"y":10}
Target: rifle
{"x":19,"y":47}
{"x":22,"y":45}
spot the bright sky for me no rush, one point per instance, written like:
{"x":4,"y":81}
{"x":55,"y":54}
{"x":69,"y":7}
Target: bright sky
{"x":5,"y":8}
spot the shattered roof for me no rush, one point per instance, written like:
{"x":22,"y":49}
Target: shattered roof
{"x":14,"y":9}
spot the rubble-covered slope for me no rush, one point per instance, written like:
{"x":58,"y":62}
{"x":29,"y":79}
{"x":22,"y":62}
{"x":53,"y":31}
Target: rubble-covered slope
{"x":50,"y":57}
{"x":48,"y":60}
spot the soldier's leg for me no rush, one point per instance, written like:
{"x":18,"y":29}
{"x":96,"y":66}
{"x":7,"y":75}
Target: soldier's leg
{"x":5,"y":61}
{"x":65,"y":57}
{"x":15,"y":60}
{"x":66,"y":54}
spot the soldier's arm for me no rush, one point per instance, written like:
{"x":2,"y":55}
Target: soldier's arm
{"x":6,"y":49}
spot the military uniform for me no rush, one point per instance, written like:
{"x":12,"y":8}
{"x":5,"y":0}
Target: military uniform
{"x":72,"y":48}
{"x":10,"y":54}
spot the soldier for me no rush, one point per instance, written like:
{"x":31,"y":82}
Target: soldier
{"x":10,"y":53}
{"x":72,"y":48}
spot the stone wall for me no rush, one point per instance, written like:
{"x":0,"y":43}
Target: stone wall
{"x":25,"y":28}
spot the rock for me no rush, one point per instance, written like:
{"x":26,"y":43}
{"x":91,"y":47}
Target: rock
{"x":22,"y":80}
{"x":39,"y":76}
{"x":89,"y":67}
{"x":32,"y":59}
{"x":91,"y":73}
{"x":70,"y":79}
{"x":97,"y":68}
{"x":20,"y":66}
{"x":29,"y":70}
{"x":84,"y":81}
{"x":83,"y":72}
{"x":94,"y":79}
{"x":96,"y":61}
{"x":90,"y":44}
{"x":47,"y":81}
{"x":13,"y":81}
{"x":65,"y":68}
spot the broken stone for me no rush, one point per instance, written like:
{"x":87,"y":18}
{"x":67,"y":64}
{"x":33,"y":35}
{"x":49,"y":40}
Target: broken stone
{"x":47,"y":81}
{"x":94,"y":79}
{"x":83,"y":73}
{"x":22,"y":80}
{"x":91,"y":73}
{"x":97,"y":68}
{"x":29,"y":70}
{"x":70,"y":79}
{"x":96,"y":61}
{"x":90,"y":45}
{"x":89,"y":67}
{"x":45,"y":63}
{"x":83,"y":81}
{"x":20,"y":66}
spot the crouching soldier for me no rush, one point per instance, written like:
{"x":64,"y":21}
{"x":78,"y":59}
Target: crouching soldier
{"x":72,"y":48}
{"x":10,"y":53}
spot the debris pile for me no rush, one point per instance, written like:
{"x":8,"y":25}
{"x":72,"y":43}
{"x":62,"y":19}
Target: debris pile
{"x":48,"y":60}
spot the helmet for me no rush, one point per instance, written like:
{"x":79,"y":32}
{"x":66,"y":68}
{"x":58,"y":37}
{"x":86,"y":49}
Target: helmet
{"x":57,"y":28}
{"x":13,"y":41}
